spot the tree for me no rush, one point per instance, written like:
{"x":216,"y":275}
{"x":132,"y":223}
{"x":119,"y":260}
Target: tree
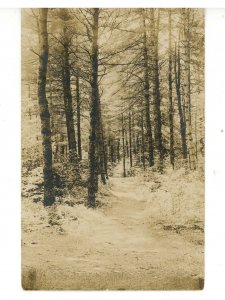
{"x":170,"y":94}
{"x":124,"y":150}
{"x":101,"y":146}
{"x":187,"y":86}
{"x":49,"y":197}
{"x":177,"y":74}
{"x":105,"y":64}
{"x":142,"y":140}
{"x":156,"y":89}
{"x":130,"y":140}
{"x":147,"y":94}
{"x":68,"y":102}
{"x":94,"y":114}
{"x":66,"y":82}
{"x":79,"y":146}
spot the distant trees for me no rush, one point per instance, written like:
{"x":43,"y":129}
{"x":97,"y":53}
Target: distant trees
{"x":145,"y":72}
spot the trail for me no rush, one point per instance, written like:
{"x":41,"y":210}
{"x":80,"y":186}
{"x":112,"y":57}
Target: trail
{"x":114,"y":247}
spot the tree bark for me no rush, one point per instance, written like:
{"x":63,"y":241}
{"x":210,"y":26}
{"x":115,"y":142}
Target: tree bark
{"x":130,"y":141}
{"x":118,"y":150}
{"x":105,"y":160}
{"x":112,"y":151}
{"x":100,"y":137}
{"x":191,"y":146}
{"x":177,"y":73}
{"x":142,"y":141}
{"x":68,"y":103}
{"x":133,"y":135}
{"x":93,"y":157}
{"x":137,"y":144}
{"x":49,"y":197}
{"x":156,"y":93}
{"x":170,"y":96}
{"x":78,"y":118}
{"x":127,"y":144}
{"x":124,"y":150}
{"x":147,"y":95}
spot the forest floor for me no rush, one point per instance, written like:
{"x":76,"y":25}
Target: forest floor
{"x":148,"y":234}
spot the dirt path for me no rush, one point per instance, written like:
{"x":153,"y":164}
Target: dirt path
{"x":115,"y":247}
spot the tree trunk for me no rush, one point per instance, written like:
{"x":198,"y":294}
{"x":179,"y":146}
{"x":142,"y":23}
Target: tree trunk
{"x":137,"y":144}
{"x":147,"y":95}
{"x":156,"y":93}
{"x":105,"y":160}
{"x":142,"y":140}
{"x":191,"y":147}
{"x":51,"y":109}
{"x":93,"y":161}
{"x":78,"y":118}
{"x":170,"y":96}
{"x":124,"y":150}
{"x":100,"y":138}
{"x":127,"y":145}
{"x":49,"y":197}
{"x":68,"y":104}
{"x":177,"y":73}
{"x":130,"y":140}
{"x":109,"y":150}
{"x":196,"y":136}
{"x":133,"y":135}
{"x":118,"y":150}
{"x":112,"y":151}
{"x":105,"y":152}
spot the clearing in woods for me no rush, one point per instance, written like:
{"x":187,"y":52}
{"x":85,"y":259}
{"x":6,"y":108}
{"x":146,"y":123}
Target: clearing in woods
{"x":117,"y":246}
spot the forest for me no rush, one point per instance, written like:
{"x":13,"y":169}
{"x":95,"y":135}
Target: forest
{"x":113,"y":108}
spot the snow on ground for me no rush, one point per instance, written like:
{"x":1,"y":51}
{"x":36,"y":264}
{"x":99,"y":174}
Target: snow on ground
{"x":146,"y":234}
{"x":176,"y":201}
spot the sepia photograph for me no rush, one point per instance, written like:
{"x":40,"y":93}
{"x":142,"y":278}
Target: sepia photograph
{"x":113,"y":148}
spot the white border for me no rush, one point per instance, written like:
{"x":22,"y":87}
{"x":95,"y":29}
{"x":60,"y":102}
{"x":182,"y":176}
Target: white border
{"x":10,"y":163}
{"x":10,"y":151}
{"x":113,"y":3}
{"x":215,"y":150}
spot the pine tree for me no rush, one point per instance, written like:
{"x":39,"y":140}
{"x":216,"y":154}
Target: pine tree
{"x":49,"y":197}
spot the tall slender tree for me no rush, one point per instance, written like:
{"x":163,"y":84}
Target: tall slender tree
{"x":79,"y":146}
{"x":187,"y":48}
{"x":170,"y":93}
{"x":49,"y":197}
{"x":130,"y":140}
{"x":101,"y":148}
{"x":177,"y":74}
{"x":93,"y":165}
{"x":147,"y":93}
{"x":156,"y":89}
{"x":124,"y":150}
{"x":142,"y":140}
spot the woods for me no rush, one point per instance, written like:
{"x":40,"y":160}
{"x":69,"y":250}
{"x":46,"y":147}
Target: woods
{"x":112,"y":85}
{"x":113,"y":148}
